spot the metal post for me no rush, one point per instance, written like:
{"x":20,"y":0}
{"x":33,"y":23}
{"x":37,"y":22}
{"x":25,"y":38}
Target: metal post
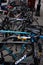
{"x":38,"y":8}
{"x":0,"y":4}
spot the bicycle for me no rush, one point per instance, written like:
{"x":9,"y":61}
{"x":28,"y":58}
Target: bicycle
{"x":33,"y":37}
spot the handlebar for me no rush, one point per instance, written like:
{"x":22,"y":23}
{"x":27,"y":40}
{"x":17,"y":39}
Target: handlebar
{"x":16,"y":38}
{"x":17,"y":19}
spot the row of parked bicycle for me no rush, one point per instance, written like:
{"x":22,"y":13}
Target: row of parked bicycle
{"x":18,"y":31}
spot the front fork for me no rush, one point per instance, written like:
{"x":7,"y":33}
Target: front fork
{"x":36,"y":59}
